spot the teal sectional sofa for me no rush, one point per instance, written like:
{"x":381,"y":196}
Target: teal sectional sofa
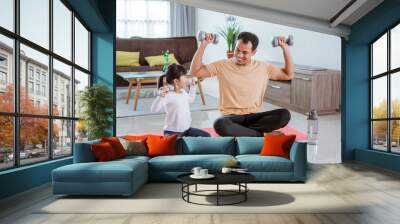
{"x":125,"y":176}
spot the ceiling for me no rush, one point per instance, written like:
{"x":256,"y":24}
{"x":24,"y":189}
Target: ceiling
{"x":326,"y":16}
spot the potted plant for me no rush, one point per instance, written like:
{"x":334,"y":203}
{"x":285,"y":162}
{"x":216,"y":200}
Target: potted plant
{"x":96,"y":102}
{"x":230,"y":32}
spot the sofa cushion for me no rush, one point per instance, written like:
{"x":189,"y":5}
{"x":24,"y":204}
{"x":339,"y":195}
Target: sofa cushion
{"x":207,"y":145}
{"x":136,"y":137}
{"x":125,"y":58}
{"x":116,"y":145}
{"x":257,"y":163}
{"x":185,"y":163}
{"x":98,"y":172}
{"x":161,"y":145}
{"x":103,"y":152}
{"x":159,"y":60}
{"x":249,"y":145}
{"x":134,"y":147}
{"x":277,"y":145}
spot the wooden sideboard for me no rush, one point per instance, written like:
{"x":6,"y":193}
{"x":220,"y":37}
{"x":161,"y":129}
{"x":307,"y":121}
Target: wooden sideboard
{"x":311,"y":88}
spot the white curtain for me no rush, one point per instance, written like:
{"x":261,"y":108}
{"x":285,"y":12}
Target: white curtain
{"x":143,"y":18}
{"x":183,"y":20}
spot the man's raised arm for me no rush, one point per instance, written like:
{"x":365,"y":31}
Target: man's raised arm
{"x":287,"y":72}
{"x":197,"y":68}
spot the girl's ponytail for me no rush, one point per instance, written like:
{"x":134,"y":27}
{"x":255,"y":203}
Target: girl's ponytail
{"x":161,"y":81}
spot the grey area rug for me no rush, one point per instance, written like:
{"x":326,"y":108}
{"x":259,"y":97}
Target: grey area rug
{"x":166,"y":198}
{"x":147,"y":96}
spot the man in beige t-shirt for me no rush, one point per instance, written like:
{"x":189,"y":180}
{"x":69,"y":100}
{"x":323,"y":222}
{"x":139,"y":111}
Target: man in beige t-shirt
{"x":242,"y":84}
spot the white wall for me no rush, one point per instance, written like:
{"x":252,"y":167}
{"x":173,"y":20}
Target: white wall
{"x":310,"y":48}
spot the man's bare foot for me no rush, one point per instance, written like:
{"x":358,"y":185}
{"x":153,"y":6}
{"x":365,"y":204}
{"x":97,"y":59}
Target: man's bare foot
{"x":275,"y":133}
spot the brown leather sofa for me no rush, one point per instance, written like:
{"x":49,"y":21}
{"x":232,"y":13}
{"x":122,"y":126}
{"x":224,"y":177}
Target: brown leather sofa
{"x":183,"y":49}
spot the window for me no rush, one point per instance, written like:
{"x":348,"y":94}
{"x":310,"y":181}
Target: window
{"x":55,"y":102}
{"x":3,"y":78}
{"x":30,"y":87}
{"x":37,"y":74}
{"x":44,"y":91}
{"x":81,"y":45}
{"x":62,"y":29}
{"x":3,"y":61}
{"x":7,"y":14}
{"x":6,"y":142}
{"x":37,"y":89}
{"x":63,"y":73}
{"x":81,"y":81}
{"x":143,"y":18}
{"x":45,"y":131}
{"x":30,"y":72}
{"x":3,"y":72}
{"x":62,"y":137}
{"x":7,"y":74}
{"x":33,"y":148}
{"x":385,"y":95}
{"x":34,"y":21}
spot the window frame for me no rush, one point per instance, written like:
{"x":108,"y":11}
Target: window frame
{"x":388,"y":74}
{"x":16,"y":114}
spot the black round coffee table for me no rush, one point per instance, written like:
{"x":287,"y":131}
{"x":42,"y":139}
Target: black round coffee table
{"x":238,"y":179}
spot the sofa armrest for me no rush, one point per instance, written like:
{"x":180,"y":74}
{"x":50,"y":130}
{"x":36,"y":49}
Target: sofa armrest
{"x":298,"y":155}
{"x":83,"y":152}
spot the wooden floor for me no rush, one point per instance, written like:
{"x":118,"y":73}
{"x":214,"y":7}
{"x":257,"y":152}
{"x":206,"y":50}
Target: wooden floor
{"x":377,"y":188}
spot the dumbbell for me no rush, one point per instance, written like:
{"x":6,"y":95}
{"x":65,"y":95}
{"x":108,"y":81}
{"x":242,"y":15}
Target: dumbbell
{"x":288,"y":40}
{"x":202,"y":34}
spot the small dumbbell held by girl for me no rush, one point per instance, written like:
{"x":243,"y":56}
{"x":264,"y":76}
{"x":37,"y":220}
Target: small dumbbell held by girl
{"x":174,"y":101}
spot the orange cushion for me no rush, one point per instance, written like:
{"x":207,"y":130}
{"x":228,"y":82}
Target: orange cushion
{"x":277,"y":145}
{"x":161,"y":145}
{"x":103,"y":151}
{"x":116,"y":145}
{"x":136,"y":137}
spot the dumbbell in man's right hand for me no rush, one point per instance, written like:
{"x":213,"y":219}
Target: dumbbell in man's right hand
{"x":209,"y":39}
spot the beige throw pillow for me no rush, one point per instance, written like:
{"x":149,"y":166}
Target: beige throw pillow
{"x":134,"y":147}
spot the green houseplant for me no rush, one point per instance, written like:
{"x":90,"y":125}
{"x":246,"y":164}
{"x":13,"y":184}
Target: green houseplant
{"x":96,"y":102}
{"x":230,"y":32}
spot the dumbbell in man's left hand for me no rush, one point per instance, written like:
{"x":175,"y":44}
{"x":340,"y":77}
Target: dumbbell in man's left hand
{"x":282,"y":43}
